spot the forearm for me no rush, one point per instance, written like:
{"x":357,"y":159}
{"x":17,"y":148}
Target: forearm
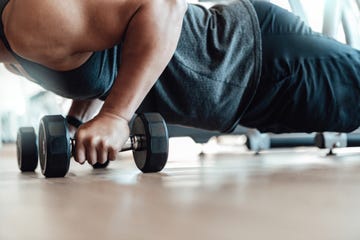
{"x":84,"y":110}
{"x":11,"y":68}
{"x":148,"y":47}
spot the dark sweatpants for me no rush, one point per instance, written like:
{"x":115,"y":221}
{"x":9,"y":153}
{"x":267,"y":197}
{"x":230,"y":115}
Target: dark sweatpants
{"x":309,"y":82}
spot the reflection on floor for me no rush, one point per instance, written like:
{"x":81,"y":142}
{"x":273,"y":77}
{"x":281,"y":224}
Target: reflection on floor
{"x":228,"y":194}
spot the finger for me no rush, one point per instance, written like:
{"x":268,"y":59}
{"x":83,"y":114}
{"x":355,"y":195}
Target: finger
{"x":91,"y":154}
{"x":80,"y":156}
{"x":102,"y":153}
{"x":112,"y":153}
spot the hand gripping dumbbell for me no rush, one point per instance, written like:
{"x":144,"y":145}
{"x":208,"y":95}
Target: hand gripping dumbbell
{"x":148,"y":140}
{"x":77,"y":123}
{"x":27,"y":150}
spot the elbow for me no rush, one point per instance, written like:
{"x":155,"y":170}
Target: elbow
{"x":181,"y":6}
{"x":172,"y":10}
{"x":176,"y":11}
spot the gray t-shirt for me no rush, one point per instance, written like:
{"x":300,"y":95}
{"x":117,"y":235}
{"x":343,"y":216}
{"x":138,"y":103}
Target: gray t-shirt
{"x":215,"y":70}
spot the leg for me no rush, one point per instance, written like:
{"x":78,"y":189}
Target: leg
{"x":309,"y":83}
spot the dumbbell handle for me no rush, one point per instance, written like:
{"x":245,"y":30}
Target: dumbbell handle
{"x":134,"y":143}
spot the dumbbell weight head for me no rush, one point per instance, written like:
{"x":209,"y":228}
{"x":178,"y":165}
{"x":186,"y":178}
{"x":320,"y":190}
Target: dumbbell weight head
{"x":152,"y":130}
{"x":27,"y":153}
{"x":331,"y":140}
{"x":54,"y":146}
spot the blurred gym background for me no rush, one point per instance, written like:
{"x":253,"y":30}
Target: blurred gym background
{"x":23,"y":103}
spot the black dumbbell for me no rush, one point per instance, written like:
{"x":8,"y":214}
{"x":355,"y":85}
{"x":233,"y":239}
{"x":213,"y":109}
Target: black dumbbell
{"x":149,"y":142}
{"x":27,"y":151}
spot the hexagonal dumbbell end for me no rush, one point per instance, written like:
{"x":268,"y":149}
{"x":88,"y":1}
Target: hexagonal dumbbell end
{"x":154,"y":138}
{"x":54,"y":146}
{"x":330,"y":140}
{"x":27,"y":151}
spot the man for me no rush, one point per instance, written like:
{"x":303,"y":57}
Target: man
{"x":196,"y":66}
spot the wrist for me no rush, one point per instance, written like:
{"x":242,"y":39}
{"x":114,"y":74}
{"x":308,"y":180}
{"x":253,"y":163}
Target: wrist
{"x":73,"y":121}
{"x":118,"y":117}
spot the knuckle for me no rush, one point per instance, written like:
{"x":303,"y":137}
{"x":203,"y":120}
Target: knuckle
{"x":80,"y":135}
{"x":103,"y":144}
{"x":91,"y":142}
{"x":111,"y":149}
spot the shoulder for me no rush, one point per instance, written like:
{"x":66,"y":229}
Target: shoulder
{"x":53,"y":30}
{"x":28,"y":23}
{"x":33,"y":26}
{"x":49,"y":31}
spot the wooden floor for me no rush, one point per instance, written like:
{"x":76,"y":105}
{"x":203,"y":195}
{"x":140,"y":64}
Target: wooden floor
{"x":228,"y":194}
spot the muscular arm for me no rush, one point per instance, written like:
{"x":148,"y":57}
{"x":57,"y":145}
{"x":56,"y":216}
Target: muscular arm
{"x":150,"y":42}
{"x":150,"y":39}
